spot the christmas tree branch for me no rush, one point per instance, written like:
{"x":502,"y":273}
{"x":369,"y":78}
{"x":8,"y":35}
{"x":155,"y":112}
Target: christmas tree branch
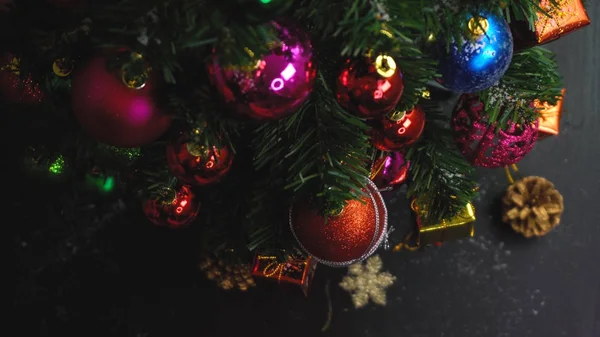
{"x":206,"y":124}
{"x":442,"y":180}
{"x":445,"y":20}
{"x":328,"y":151}
{"x":323,"y":148}
{"x":357,"y":23}
{"x":533,"y":74}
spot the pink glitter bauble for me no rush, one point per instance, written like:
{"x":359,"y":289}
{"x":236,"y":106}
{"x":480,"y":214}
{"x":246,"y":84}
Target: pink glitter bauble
{"x":484,"y":144}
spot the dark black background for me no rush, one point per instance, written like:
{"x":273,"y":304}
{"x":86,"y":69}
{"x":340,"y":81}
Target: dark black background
{"x":132,"y":282}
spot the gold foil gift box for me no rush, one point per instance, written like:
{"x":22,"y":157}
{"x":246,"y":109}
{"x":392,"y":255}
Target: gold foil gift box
{"x":458,"y":227}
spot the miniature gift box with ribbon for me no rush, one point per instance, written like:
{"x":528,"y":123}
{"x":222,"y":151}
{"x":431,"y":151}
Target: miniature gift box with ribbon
{"x":556,"y":19}
{"x":290,"y":270}
{"x":458,"y":227}
{"x":549,"y":116}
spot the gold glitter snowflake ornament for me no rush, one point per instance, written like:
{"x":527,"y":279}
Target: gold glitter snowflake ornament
{"x":366,"y":281}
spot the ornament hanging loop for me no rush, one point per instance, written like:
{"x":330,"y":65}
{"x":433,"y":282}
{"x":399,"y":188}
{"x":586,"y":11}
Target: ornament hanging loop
{"x":135,"y":73}
{"x":478,"y":26}
{"x":405,"y":245}
{"x":509,"y":175}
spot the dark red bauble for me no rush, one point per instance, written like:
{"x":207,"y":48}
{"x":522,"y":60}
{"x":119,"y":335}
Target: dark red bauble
{"x":277,"y":84}
{"x":172,"y":207}
{"x":346,"y":238}
{"x":370,"y":88}
{"x":390,"y":171}
{"x":112,"y":112}
{"x":13,"y":88}
{"x":395,"y":134}
{"x":196,"y":164}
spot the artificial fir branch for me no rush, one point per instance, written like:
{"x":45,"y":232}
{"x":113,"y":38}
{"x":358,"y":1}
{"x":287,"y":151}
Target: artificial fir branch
{"x":533,"y":74}
{"x":328,"y":151}
{"x":356,"y":22}
{"x":442,"y":181}
{"x":205,"y":124}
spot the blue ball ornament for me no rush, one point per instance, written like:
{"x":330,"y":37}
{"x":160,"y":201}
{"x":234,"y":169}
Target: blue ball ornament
{"x":481,"y":58}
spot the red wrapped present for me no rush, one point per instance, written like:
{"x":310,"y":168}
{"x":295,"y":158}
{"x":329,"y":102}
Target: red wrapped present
{"x":293,"y":270}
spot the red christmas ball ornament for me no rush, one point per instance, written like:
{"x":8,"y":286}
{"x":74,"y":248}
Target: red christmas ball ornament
{"x":196,"y":164}
{"x":117,"y":107}
{"x":275,"y":85}
{"x":390,"y":171}
{"x":346,"y":238}
{"x":13,"y":88}
{"x":485,"y":144}
{"x":370,"y":88}
{"x":172,"y":207}
{"x":404,"y":128}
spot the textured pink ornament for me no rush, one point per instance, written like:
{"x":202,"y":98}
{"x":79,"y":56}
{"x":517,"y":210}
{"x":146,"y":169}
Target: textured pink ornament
{"x":485,"y":145}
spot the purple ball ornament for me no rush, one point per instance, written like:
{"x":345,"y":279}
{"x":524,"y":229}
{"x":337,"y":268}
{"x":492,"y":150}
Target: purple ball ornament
{"x":277,"y":84}
{"x":390,"y":172}
{"x":485,"y":145}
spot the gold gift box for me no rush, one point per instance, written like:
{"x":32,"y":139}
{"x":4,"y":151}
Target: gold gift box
{"x":458,"y":227}
{"x":550,"y":116}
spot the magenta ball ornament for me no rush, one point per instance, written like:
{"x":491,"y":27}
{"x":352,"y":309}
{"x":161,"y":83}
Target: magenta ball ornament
{"x":277,"y":84}
{"x":484,"y":144}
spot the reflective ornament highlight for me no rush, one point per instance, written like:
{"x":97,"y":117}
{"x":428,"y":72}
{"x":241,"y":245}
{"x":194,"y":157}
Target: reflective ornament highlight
{"x":274,"y":86}
{"x":37,"y":160}
{"x":172,"y":207}
{"x":391,"y":171}
{"x":481,"y":58}
{"x":197,"y":164}
{"x":13,"y":88}
{"x":99,"y":181}
{"x":370,"y":88}
{"x":348,"y":237}
{"x":485,"y":145}
{"x":113,"y":113}
{"x":394,"y":134}
{"x":118,"y":156}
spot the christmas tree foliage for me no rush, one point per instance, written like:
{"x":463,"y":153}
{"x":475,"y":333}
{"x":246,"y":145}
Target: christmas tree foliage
{"x":223,"y":114}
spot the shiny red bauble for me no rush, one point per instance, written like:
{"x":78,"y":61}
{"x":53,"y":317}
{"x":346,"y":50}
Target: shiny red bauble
{"x":274,"y":86}
{"x":15,"y":89}
{"x":369,"y":87}
{"x":112,"y":112}
{"x":395,"y":134}
{"x":197,"y":164}
{"x":346,"y":238}
{"x":172,"y":207}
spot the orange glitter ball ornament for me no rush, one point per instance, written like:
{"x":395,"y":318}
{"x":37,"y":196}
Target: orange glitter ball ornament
{"x":346,"y":238}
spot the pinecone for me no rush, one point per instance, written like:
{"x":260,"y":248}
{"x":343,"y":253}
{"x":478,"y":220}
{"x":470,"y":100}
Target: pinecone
{"x":532,"y":206}
{"x":227,"y":275}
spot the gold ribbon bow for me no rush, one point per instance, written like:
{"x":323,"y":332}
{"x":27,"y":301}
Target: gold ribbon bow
{"x":277,"y":268}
